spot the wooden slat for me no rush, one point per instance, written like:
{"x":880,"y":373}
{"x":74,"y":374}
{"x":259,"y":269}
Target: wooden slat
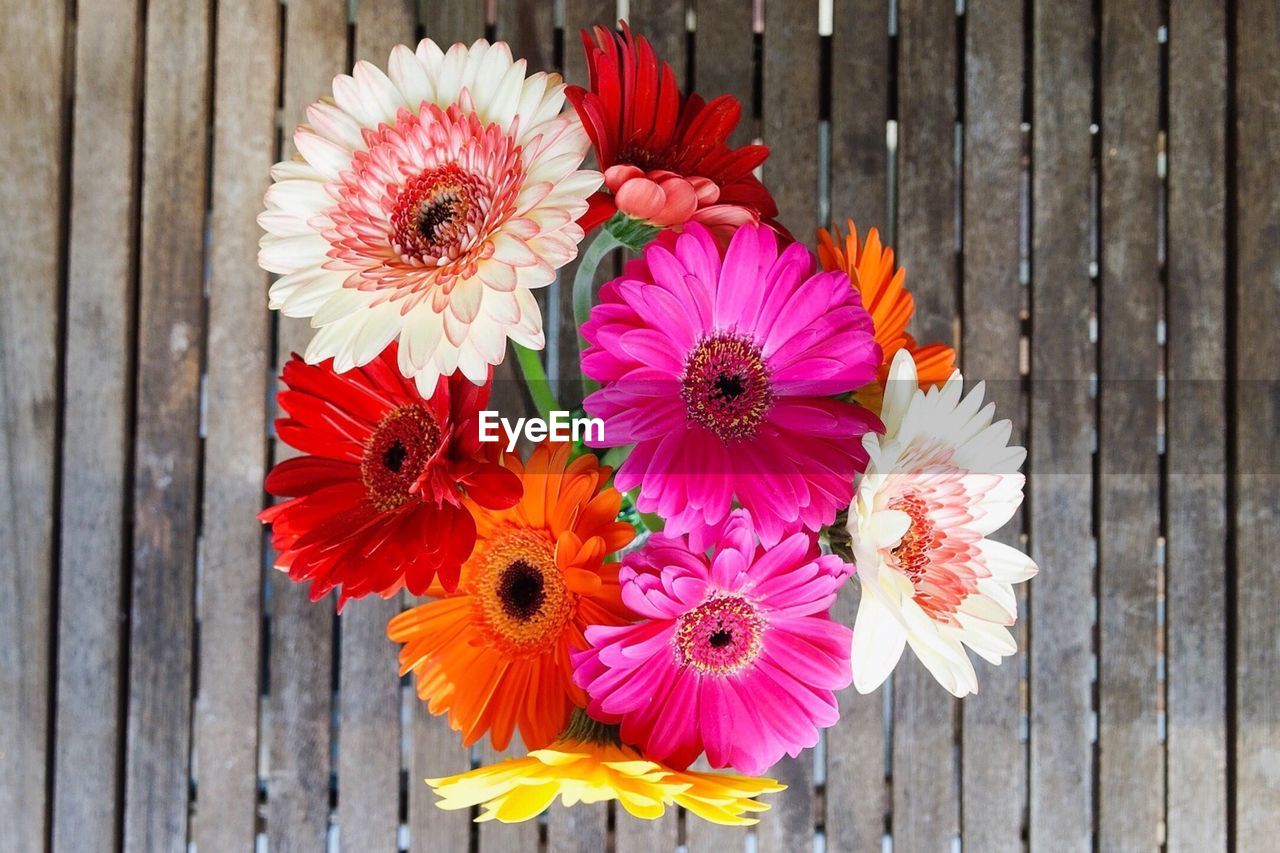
{"x":171,"y":313}
{"x":437,"y":751}
{"x":1061,"y":485}
{"x":703,"y":836}
{"x":498,"y":837}
{"x":448,"y":21}
{"x":297,"y":723}
{"x":1257,"y":352}
{"x":244,"y":139}
{"x":1129,"y":489}
{"x":724,"y":57}
{"x":32,"y":98}
{"x":857,"y":796}
{"x":1197,"y":429}
{"x":925,"y":799}
{"x":994,"y":757}
{"x":791,"y":93}
{"x":368,"y":686}
{"x":100,"y":287}
{"x":859,"y":111}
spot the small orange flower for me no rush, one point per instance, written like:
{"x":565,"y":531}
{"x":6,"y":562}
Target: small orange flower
{"x":869,"y":265}
{"x":495,"y":655}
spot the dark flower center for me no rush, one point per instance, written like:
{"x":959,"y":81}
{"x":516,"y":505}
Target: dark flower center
{"x":725,"y":386}
{"x":436,"y":213}
{"x":720,"y":636}
{"x":400,"y":449}
{"x":521,"y":589}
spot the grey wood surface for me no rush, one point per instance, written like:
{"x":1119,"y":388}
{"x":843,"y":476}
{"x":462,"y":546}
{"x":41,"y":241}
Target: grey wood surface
{"x":161,"y":685}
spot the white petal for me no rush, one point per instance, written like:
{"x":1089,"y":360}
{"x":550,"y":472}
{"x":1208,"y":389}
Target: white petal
{"x":328,"y":158}
{"x":878,"y":640}
{"x":465,"y":299}
{"x":423,"y":329}
{"x":290,"y":254}
{"x":888,"y":526}
{"x":410,"y":76}
{"x":381,"y":326}
{"x":343,"y":303}
{"x":1006,"y":563}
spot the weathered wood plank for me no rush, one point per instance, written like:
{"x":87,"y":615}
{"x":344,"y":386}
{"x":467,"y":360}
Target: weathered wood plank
{"x":1257,"y":352}
{"x":702,"y":836}
{"x":498,"y":837}
{"x":368,"y":686}
{"x":31,"y":145}
{"x":1196,"y":447}
{"x":724,"y":58}
{"x":437,"y":751}
{"x":171,"y":283}
{"x":297,"y":721}
{"x":244,"y":140}
{"x":1129,"y":488}
{"x":1062,"y":417}
{"x":925,"y":799}
{"x":994,"y":756}
{"x":448,"y":21}
{"x":790,"y":121}
{"x":859,"y":112}
{"x":100,"y":287}
{"x":857,"y":796}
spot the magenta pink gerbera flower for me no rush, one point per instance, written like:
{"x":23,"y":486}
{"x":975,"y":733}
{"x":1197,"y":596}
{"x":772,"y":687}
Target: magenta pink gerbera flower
{"x":736,"y":654}
{"x":721,"y":366}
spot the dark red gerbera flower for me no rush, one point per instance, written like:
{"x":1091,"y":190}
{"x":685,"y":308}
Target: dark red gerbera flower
{"x":665,"y":158}
{"x":377,"y":503}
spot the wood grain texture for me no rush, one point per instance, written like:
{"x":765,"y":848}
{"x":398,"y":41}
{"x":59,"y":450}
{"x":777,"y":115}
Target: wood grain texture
{"x":791,"y":92}
{"x":1062,"y":419}
{"x":859,"y":112}
{"x":1129,"y":487}
{"x":436,"y":751}
{"x":230,"y":582}
{"x":857,"y":793}
{"x":925,"y":797}
{"x":1257,"y":424}
{"x":101,"y":278}
{"x":993,"y":755}
{"x":368,"y":811}
{"x":31,"y":145}
{"x":724,"y":59}
{"x":449,"y":21}
{"x":297,"y":721}
{"x":1196,"y":448}
{"x":170,"y":332}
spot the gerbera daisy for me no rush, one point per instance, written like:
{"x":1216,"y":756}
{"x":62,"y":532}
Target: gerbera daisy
{"x":589,"y":764}
{"x":378,"y":502}
{"x":736,"y":654}
{"x":665,"y":158}
{"x":721,"y":368}
{"x":869,"y":266}
{"x":495,"y":656}
{"x":939,"y":480}
{"x":424,"y":206}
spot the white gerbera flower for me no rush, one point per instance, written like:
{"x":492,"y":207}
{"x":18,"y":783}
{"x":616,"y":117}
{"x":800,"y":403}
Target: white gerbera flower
{"x":425,"y":205}
{"x":939,"y":480}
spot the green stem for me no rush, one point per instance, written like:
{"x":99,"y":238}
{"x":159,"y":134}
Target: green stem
{"x":584,"y":287}
{"x":535,"y":379}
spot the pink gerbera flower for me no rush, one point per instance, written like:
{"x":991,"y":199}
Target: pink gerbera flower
{"x":736,"y":655}
{"x":722,"y":368}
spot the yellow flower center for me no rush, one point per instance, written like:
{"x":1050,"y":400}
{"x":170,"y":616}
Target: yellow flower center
{"x":519,"y":597}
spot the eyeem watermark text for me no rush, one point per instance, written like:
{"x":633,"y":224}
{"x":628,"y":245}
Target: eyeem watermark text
{"x":562,"y":426}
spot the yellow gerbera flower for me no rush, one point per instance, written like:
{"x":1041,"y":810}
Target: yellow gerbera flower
{"x":589,"y":764}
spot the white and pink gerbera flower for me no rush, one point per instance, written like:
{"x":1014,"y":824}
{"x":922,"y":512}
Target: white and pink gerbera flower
{"x":736,"y":653}
{"x":425,"y":205}
{"x":938,"y":482}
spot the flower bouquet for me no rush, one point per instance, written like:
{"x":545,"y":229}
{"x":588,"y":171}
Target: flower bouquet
{"x":774,"y":428}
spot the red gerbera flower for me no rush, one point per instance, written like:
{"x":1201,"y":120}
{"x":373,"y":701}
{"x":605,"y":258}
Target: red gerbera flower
{"x":377,"y":504}
{"x":665,"y":158}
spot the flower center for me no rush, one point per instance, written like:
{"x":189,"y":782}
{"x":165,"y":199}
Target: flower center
{"x":401,"y":448}
{"x":720,"y":636}
{"x":436,"y":214}
{"x":912,"y":553}
{"x":725,"y":386}
{"x":519,"y":596}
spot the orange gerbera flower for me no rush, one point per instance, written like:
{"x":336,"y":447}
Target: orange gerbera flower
{"x":869,"y":265}
{"x":495,"y":655}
